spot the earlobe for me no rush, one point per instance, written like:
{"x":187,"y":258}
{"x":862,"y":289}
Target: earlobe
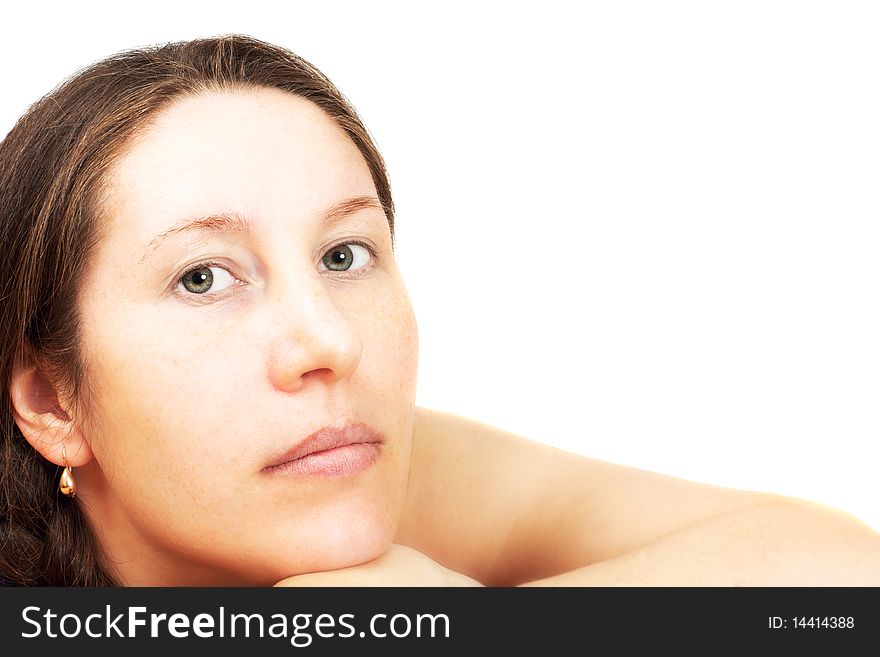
{"x":43,"y":420}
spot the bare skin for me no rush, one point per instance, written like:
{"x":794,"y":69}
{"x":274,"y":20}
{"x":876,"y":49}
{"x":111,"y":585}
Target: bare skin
{"x":214,"y":346}
{"x":499,"y":510}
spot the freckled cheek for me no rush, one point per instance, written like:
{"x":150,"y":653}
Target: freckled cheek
{"x":391,"y":345}
{"x":161,"y":389}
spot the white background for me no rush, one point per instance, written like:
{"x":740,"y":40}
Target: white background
{"x":645,"y":232}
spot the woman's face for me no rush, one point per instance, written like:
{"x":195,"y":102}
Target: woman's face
{"x":233,"y":309}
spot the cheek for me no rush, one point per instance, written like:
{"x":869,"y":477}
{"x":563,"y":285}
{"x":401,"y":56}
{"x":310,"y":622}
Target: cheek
{"x":161,"y":409}
{"x":391,"y":346}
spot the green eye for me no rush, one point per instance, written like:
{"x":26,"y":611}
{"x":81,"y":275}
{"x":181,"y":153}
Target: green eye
{"x":339,"y":258}
{"x":344,"y":257}
{"x":201,"y":279}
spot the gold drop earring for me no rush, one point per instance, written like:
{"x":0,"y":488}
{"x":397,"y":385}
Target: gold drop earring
{"x":68,"y":483}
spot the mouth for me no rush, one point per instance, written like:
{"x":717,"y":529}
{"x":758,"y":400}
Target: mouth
{"x":330,"y":452}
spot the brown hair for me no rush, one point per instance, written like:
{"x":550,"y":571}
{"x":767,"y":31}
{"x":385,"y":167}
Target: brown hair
{"x":52,"y":166}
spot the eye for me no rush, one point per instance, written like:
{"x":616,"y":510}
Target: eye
{"x":205,"y":278}
{"x":347,"y":256}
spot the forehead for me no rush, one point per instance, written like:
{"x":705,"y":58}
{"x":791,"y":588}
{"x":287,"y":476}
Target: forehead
{"x":262,"y":152}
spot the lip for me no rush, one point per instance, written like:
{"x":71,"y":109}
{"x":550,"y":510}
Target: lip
{"x":331,"y":451}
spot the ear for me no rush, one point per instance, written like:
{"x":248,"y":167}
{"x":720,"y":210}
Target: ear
{"x":40,"y":413}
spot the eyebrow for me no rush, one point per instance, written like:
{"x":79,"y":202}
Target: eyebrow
{"x":232,"y":222}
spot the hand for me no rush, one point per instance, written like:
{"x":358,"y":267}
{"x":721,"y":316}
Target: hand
{"x":398,"y":566}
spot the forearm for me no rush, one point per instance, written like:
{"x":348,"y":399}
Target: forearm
{"x":774,"y":545}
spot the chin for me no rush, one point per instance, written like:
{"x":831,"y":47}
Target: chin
{"x":334,"y":543}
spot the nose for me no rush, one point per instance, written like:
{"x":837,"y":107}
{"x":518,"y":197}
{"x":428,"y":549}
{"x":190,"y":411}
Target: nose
{"x":314,"y":340}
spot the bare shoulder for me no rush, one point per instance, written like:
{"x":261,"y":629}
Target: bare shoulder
{"x":505,"y":509}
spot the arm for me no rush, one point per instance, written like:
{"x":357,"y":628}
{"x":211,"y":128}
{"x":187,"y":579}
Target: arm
{"x":786,"y":544}
{"x":505,"y":511}
{"x":782,"y":544}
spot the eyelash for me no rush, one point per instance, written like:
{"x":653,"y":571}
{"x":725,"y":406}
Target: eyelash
{"x":208,"y":297}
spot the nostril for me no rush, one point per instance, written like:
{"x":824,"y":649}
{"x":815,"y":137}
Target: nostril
{"x":320,"y":373}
